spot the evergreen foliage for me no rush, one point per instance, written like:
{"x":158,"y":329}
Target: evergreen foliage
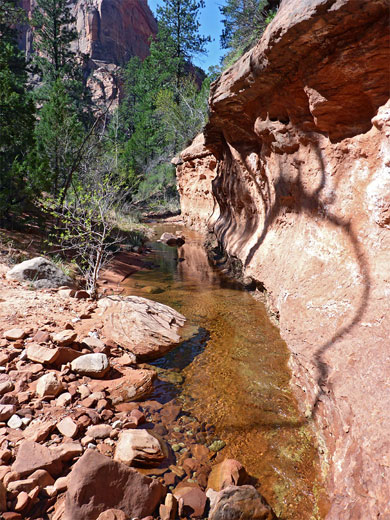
{"x":54,"y":32}
{"x":16,"y":116}
{"x":244,"y":22}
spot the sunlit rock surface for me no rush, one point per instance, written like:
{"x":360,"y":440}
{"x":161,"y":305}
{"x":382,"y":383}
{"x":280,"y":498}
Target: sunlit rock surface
{"x":293,"y":177}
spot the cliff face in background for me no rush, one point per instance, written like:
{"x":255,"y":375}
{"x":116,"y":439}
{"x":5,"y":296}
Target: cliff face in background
{"x":110,"y":32}
{"x":293,"y":177}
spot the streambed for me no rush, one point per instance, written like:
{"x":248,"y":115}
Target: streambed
{"x":235,"y":374}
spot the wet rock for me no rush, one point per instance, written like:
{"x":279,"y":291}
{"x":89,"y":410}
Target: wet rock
{"x":217,"y":445}
{"x":240,"y":503}
{"x":93,"y":365}
{"x":172,"y":240}
{"x":169,"y":509}
{"x":98,"y":483}
{"x":49,"y":385}
{"x":41,"y":272}
{"x":147,"y":329}
{"x":192,"y":500}
{"x":139,"y":448}
{"x":230,"y":472}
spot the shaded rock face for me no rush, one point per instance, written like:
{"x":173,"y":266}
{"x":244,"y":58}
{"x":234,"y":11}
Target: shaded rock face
{"x":293,"y":178}
{"x":41,"y":272}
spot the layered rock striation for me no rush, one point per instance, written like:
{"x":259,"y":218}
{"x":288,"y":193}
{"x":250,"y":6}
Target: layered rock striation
{"x":292,"y":175}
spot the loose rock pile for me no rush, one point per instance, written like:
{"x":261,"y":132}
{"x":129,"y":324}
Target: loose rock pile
{"x":86,"y":434}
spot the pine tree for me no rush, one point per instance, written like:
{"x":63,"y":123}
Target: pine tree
{"x":244,"y":22}
{"x":16,"y":114}
{"x":54,"y":32}
{"x":59,"y":135}
{"x":179,"y":37}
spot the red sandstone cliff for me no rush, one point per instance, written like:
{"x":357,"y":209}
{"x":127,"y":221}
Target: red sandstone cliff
{"x":110,"y":32}
{"x":293,"y":177}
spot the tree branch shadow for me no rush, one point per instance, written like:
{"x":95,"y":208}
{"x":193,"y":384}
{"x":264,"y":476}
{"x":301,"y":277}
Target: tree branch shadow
{"x":308,"y":203}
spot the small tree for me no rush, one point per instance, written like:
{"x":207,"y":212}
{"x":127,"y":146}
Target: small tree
{"x":85,"y":223}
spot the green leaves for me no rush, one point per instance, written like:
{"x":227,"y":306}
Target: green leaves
{"x":244,"y":23}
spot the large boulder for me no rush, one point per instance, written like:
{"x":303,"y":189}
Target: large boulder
{"x":98,"y":483}
{"x":148,"y":329}
{"x":41,"y":272}
{"x":240,"y":503}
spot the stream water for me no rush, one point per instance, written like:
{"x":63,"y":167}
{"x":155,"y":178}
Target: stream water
{"x":236,"y":375}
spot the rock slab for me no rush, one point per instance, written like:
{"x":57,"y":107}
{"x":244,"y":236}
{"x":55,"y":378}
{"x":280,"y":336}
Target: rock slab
{"x":98,"y":483}
{"x":148,"y":329}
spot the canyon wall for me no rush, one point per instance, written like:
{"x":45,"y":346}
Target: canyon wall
{"x":110,"y":32}
{"x":292,"y":175}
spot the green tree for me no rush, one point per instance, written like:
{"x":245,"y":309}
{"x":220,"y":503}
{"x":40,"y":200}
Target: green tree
{"x":54,"y":32}
{"x":244,"y":22}
{"x":179,"y":38}
{"x":59,"y":137}
{"x":16,"y":115}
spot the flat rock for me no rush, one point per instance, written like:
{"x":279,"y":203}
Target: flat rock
{"x":146,"y":328}
{"x":192,"y":500}
{"x":40,"y":354}
{"x":32,"y":456}
{"x":38,"y":430}
{"x":93,"y":365}
{"x":99,"y":431}
{"x":240,"y":503}
{"x":15,"y":334}
{"x":139,"y":448}
{"x":98,"y":483}
{"x":64,"y":338}
{"x":41,"y":272}
{"x":135,"y":384}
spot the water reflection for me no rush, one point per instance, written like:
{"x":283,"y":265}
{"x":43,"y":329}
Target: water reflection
{"x":236,"y":375}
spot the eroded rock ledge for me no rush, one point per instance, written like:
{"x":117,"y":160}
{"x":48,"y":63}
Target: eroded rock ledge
{"x":292,"y":175}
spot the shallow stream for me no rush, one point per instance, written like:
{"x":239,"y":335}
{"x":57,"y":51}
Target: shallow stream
{"x":235,"y":374}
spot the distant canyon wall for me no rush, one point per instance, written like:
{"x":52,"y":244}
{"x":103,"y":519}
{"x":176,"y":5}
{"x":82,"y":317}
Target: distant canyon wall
{"x":292,"y":175}
{"x":110,"y":33}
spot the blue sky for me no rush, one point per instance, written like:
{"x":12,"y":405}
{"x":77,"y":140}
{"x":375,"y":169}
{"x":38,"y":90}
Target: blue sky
{"x":211,"y":25}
